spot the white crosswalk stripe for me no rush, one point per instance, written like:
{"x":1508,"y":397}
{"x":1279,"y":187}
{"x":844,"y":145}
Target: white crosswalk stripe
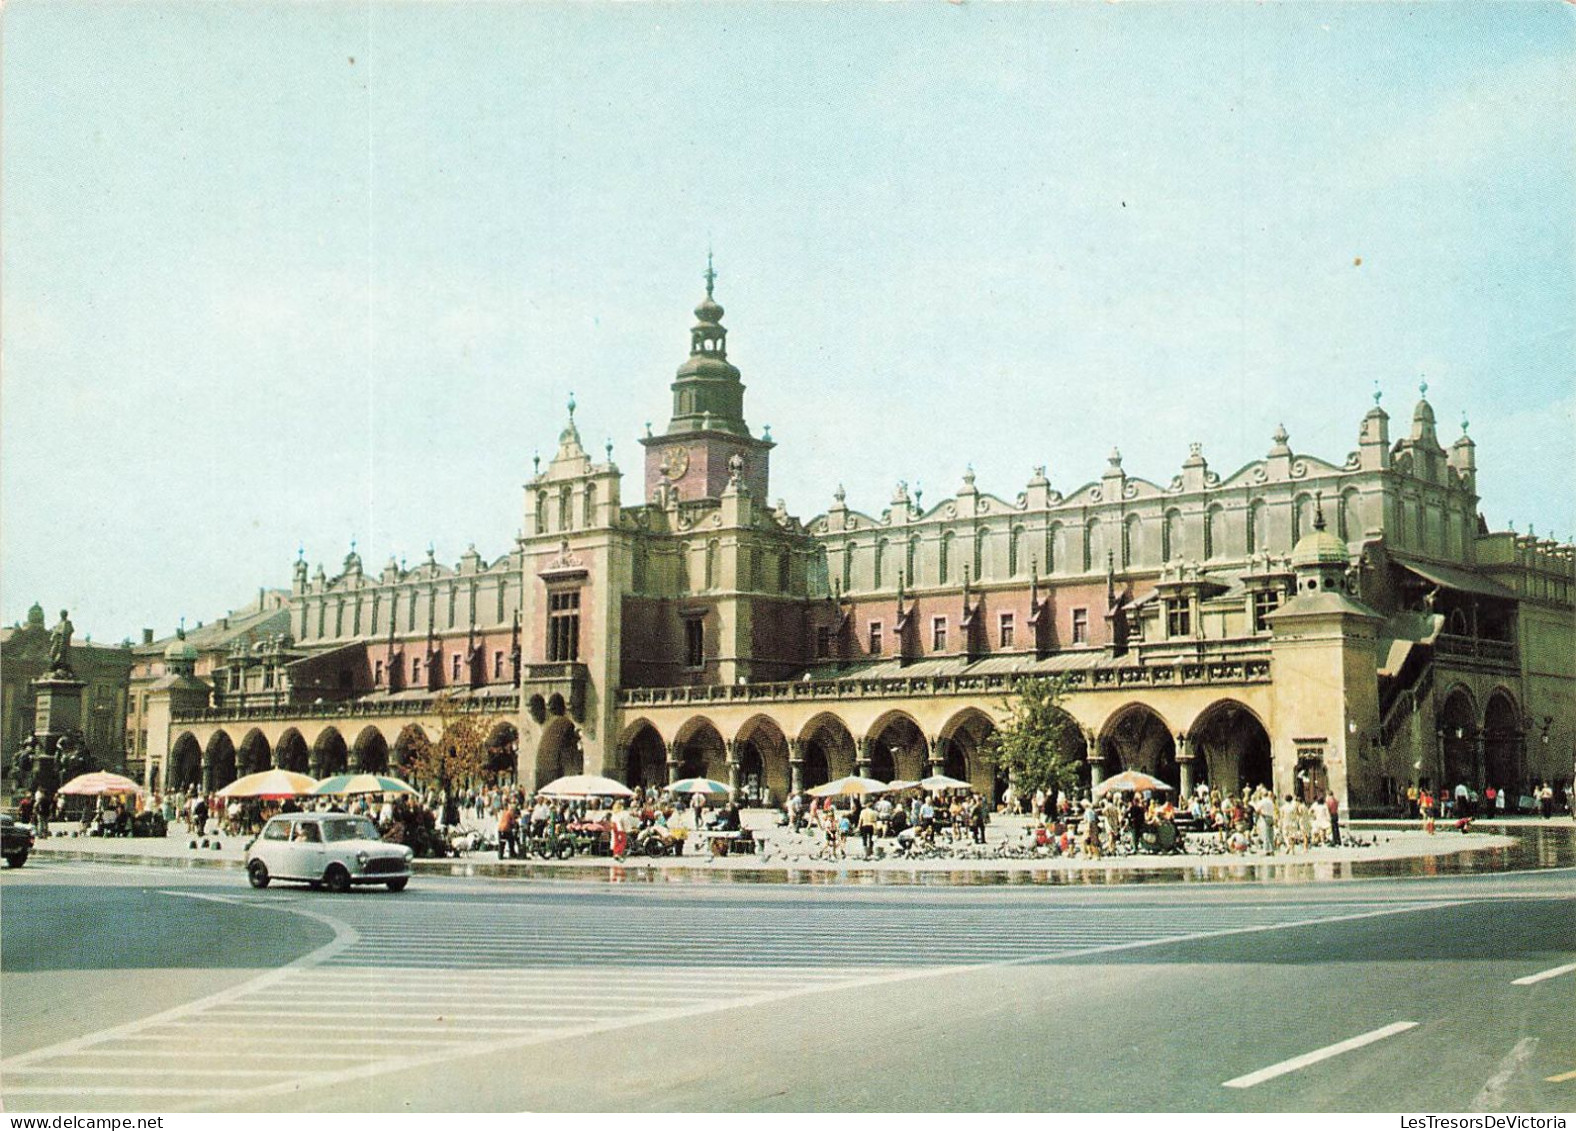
{"x":387,"y":995}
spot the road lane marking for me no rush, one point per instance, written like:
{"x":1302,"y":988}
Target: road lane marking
{"x":1317,"y":1055}
{"x":1492,"y":1095}
{"x":1544,"y":975}
{"x":346,"y":964}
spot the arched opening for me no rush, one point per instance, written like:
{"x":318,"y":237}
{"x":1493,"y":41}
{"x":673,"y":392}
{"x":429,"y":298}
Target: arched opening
{"x":254,"y":755}
{"x":329,"y":755}
{"x":1137,"y":738}
{"x":646,"y":760}
{"x":898,"y":749}
{"x":1458,"y":740}
{"x":219,"y":758}
{"x":965,"y":753}
{"x":828,"y":750}
{"x":763,"y":761}
{"x":1502,"y":739}
{"x":558,"y":752}
{"x":503,"y":753}
{"x":1231,"y":748}
{"x":291,"y":752}
{"x":700,"y":751}
{"x":185,"y":763}
{"x":371,"y":752}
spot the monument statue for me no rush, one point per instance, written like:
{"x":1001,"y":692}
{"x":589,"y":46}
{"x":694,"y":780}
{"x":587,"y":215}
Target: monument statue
{"x":60,"y":645}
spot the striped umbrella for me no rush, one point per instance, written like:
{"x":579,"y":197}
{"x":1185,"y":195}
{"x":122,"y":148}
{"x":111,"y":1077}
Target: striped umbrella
{"x":275,"y":784}
{"x":341,"y":784}
{"x":1131,"y":781}
{"x":708,"y":786}
{"x":101,"y":782}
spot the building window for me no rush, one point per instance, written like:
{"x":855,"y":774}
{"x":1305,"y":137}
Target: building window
{"x":563,"y":626}
{"x":1080,"y":626}
{"x":498,"y":665}
{"x":268,"y":679}
{"x":1006,"y":630}
{"x":783,"y":567}
{"x":823,"y":643}
{"x":695,"y":642}
{"x":377,"y":672}
{"x":1179,"y":617}
{"x":454,"y":668}
{"x":875,"y":638}
{"x":1265,"y":602}
{"x":415,"y":671}
{"x":938,"y":634}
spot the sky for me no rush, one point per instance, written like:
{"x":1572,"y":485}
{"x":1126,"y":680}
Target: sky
{"x":281,"y":276}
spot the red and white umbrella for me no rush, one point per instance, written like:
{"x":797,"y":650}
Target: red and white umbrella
{"x":97,"y":784}
{"x":1131,"y":781}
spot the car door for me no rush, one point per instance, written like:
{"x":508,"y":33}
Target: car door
{"x":309,"y":855}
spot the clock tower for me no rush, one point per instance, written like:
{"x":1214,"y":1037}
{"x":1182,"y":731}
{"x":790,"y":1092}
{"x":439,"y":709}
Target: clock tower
{"x":695,"y":457}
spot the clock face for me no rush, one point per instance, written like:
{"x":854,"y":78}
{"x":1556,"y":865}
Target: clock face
{"x":677,"y":463}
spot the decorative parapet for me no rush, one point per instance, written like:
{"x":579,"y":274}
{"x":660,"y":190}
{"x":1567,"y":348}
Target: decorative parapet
{"x":1254,"y":669}
{"x":344,"y":709}
{"x":1495,"y":653}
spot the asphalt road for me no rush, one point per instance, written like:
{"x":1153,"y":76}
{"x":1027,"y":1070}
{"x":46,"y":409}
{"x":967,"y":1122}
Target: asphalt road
{"x":142,"y":989}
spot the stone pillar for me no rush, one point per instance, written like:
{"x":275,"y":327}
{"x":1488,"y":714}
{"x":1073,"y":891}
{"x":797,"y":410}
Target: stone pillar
{"x":1479,"y":763}
{"x":674,"y":762}
{"x":1184,"y":766}
{"x":795,"y":766}
{"x":862,"y":758}
{"x":1096,"y":760}
{"x":207,"y":772}
{"x":936,"y":756}
{"x":620,"y":767}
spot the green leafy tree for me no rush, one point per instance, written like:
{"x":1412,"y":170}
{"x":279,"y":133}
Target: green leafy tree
{"x":459,"y":755}
{"x":1040,"y":745}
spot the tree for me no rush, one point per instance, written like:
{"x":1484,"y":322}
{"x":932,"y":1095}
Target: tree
{"x":459,"y":754}
{"x":1040,"y":744}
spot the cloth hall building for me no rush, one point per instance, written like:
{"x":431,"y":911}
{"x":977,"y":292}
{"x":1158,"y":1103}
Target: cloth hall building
{"x":1306,"y":623}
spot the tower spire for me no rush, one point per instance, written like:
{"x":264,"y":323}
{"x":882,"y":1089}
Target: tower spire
{"x":711,"y":274}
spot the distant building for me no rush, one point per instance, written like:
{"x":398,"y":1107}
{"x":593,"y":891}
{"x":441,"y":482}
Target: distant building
{"x":24,"y":657}
{"x":1304,"y":623}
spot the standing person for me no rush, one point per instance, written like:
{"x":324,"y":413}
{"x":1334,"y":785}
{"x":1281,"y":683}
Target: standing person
{"x":1136,"y":810}
{"x":1546,"y":800}
{"x":1332,"y":803}
{"x":507,"y":819}
{"x":618,"y":834}
{"x":867,"y":829}
{"x":1425,"y":806}
{"x":1265,"y":808}
{"x":698,"y":809}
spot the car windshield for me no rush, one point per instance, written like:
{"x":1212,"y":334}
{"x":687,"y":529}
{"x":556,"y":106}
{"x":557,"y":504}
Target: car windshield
{"x":349,"y":828}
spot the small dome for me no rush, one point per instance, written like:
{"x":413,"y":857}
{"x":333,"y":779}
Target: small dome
{"x":709,"y":310}
{"x":35,"y":616}
{"x":1319,"y":547}
{"x":181,"y":649}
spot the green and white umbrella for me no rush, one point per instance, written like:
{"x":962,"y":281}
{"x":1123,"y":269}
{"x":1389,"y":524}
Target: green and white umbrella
{"x":342,"y":784}
{"x":709,"y":786}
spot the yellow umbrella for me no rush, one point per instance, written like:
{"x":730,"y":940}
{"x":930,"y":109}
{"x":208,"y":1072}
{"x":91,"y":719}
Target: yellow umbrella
{"x":851,"y":786}
{"x":276,"y":784}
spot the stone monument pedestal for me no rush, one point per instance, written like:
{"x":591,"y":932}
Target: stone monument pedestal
{"x":58,"y":709}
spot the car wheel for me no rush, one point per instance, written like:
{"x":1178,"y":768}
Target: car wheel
{"x":337,"y":878}
{"x":257,"y":872}
{"x":566,"y":849}
{"x":399,"y":884}
{"x":16,"y":859}
{"x":655,"y":847}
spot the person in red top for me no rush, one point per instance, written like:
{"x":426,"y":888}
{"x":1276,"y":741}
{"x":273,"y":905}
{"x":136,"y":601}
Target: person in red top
{"x":1333,"y":804}
{"x":508,"y":818}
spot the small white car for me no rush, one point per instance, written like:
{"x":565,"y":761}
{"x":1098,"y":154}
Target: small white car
{"x":330,"y":849}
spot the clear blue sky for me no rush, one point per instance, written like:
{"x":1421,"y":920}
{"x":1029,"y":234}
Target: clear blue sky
{"x":288,"y":274}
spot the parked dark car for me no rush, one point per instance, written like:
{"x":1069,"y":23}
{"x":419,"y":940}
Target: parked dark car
{"x":16,"y":840}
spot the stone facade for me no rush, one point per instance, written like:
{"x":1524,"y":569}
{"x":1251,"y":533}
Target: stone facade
{"x":1302,"y":622}
{"x":105,"y":671}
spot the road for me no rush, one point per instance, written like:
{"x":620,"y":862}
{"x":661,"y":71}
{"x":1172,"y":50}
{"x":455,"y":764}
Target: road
{"x":146,"y":989}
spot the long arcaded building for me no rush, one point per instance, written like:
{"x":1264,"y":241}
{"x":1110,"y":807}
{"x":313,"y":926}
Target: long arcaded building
{"x":1348,"y":623}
